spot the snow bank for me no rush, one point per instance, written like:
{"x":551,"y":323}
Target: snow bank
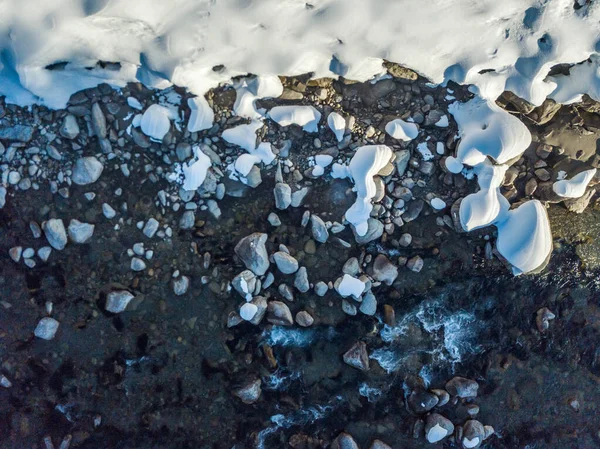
{"x":574,"y":187}
{"x":401,"y":130}
{"x":305,"y":116}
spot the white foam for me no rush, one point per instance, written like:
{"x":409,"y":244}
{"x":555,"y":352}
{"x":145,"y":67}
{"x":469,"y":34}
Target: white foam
{"x":401,"y":130}
{"x":574,"y":187}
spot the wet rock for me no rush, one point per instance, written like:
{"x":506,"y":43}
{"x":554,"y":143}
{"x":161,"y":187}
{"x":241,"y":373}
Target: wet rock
{"x":304,"y":319}
{"x":489,"y":431}
{"x":253,"y":253}
{"x":543,"y":318}
{"x":20,"y":133}
{"x":473,"y":434}
{"x":181,"y":285}
{"x":137,"y":264}
{"x":44,"y":253}
{"x":378,"y":444}
{"x":55,"y":232}
{"x":98,"y":121}
{"x":250,"y":392}
{"x":286,"y":291}
{"x":3,"y":193}
{"x":413,"y":210}
{"x":298,"y":196}
{"x":108,"y":211}
{"x":344,"y":441}
{"x":531,"y":187}
{"x":80,"y":232}
{"x":348,"y":308}
{"x":462,"y":387}
{"x":542,"y":174}
{"x":374,"y":232}
{"x":351,"y":267}
{"x":443,"y":397}
{"x":415,"y":264}
{"x":318,"y":228}
{"x":285,"y":263}
{"x":4,"y":382}
{"x":150,"y":227}
{"x":421,"y":401}
{"x":368,"y":306}
{"x":437,"y":428}
{"x":384,"y":270}
{"x":357,"y":356}
{"x":117,"y":301}
{"x":244,"y":283}
{"x":301,"y":280}
{"x":69,"y":128}
{"x":283,"y":196}
{"x":46,"y":328}
{"x":405,"y":240}
{"x":183,"y":151}
{"x":279,"y":314}
{"x":86,"y":170}
{"x":321,"y":288}
{"x":389,"y":315}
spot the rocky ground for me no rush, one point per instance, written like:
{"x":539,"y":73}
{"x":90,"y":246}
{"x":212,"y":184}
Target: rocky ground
{"x":123,"y":320}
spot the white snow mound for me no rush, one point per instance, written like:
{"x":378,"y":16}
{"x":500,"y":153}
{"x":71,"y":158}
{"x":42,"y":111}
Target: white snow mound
{"x":574,"y":187}
{"x":305,"y":116}
{"x":401,"y":130}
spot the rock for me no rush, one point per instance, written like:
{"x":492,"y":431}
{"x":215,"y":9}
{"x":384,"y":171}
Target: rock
{"x":318,"y":228}
{"x":374,"y":231}
{"x":46,"y":328}
{"x":4,"y":382}
{"x":20,"y":133}
{"x":150,"y":227}
{"x":542,"y":174}
{"x":253,"y":253}
{"x":285,"y":263}
{"x":421,"y":401}
{"x":108,"y":211}
{"x":397,"y":71}
{"x":368,"y":306}
{"x":69,"y":128}
{"x":378,"y":444}
{"x":415,"y":264}
{"x":384,"y":270}
{"x":55,"y":232}
{"x":473,"y":434}
{"x":401,"y":162}
{"x":298,"y":196}
{"x":15,"y":253}
{"x":183,"y":151}
{"x":304,"y":319}
{"x":187,"y":220}
{"x":286,"y":291}
{"x":3,"y":193}
{"x":489,"y":431}
{"x":462,"y":387}
{"x":180,"y":285}
{"x":80,"y":232}
{"x":250,"y":392}
{"x":44,"y":253}
{"x":98,"y":121}
{"x":283,"y":195}
{"x":389,"y":315}
{"x":254,"y":179}
{"x":437,"y":428}
{"x":245,"y":284}
{"x":301,"y":280}
{"x":261,"y":309}
{"x":137,"y":264}
{"x":357,"y":356}
{"x":273,"y":219}
{"x":443,"y":397}
{"x":351,"y":267}
{"x":543,"y":151}
{"x":543,"y":318}
{"x":348,"y":308}
{"x":117,"y":301}
{"x":405,"y":240}
{"x":344,"y":441}
{"x":86,"y":170}
{"x":578,"y":205}
{"x":413,"y":210}
{"x":530,"y":187}
{"x":321,"y":288}
{"x":279,"y":314}
{"x":248,"y":311}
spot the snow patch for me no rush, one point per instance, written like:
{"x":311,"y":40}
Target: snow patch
{"x":305,"y":116}
{"x":574,"y":187}
{"x":401,"y":130}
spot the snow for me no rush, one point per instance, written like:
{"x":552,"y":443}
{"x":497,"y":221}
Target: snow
{"x":524,"y":237}
{"x":134,"y":103}
{"x":424,"y":150}
{"x":470,"y":443}
{"x":155,"y":122}
{"x":248,"y":90}
{"x":574,"y":187}
{"x":244,"y":163}
{"x":194,"y":172}
{"x":436,"y":433}
{"x":202,"y":115}
{"x":243,"y":135}
{"x":337,"y":124}
{"x":305,"y":116}
{"x":323,"y":160}
{"x":442,"y":122}
{"x":351,"y":286}
{"x":366,"y":163}
{"x":401,"y":130}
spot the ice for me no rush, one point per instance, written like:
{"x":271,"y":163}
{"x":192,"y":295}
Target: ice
{"x":305,"y":116}
{"x":574,"y":187}
{"x":202,"y":116}
{"x":424,"y":150}
{"x":337,"y":124}
{"x":401,"y":130}
{"x":244,"y":163}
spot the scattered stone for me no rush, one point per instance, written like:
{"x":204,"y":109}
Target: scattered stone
{"x":80,"y":232}
{"x":108,"y":211}
{"x":86,"y":170}
{"x":378,"y":444}
{"x":138,"y":264}
{"x":187,"y":220}
{"x":415,"y":264}
{"x":15,"y":253}
{"x":304,"y":319}
{"x":348,"y":308}
{"x":374,"y":232}
{"x":3,"y":192}
{"x":44,"y":253}
{"x":285,"y":263}
{"x":20,"y":133}
{"x":245,"y":284}
{"x":98,"y":121}
{"x":384,"y":270}
{"x":413,"y":210}
{"x":298,"y":196}
{"x":462,"y":387}
{"x":344,"y":441}
{"x":318,"y":228}
{"x":151,"y":227}
{"x":351,"y":267}
{"x":117,"y":301}
{"x":248,"y":311}
{"x":368,"y":306}
{"x":321,"y":288}
{"x":69,"y":128}
{"x":301,"y":280}
{"x":279,"y":314}
{"x":46,"y":328}
{"x":250,"y":392}
{"x":405,"y":240}
{"x":401,"y":161}
{"x":543,"y":318}
{"x":55,"y":232}
{"x":443,"y":397}
{"x":357,"y":356}
{"x":273,"y":219}
{"x":4,"y":382}
{"x":283,"y":195}
{"x":437,"y":428}
{"x":181,"y":285}
{"x":261,"y":309}
{"x":286,"y":291}
{"x":421,"y":401}
{"x":473,"y":434}
{"x":253,"y":253}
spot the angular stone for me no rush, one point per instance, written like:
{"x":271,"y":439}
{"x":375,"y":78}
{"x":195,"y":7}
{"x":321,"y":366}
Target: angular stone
{"x":357,"y":356}
{"x":86,"y":170}
{"x":249,"y":392}
{"x":285,"y":263}
{"x":46,"y":328}
{"x":69,"y":128}
{"x":117,"y":301}
{"x":462,"y":387}
{"x":20,"y":133}
{"x":384,"y":270}
{"x":283,"y":196}
{"x":301,"y":280}
{"x":253,"y":253}
{"x":98,"y":121}
{"x":344,"y":441}
{"x":279,"y":314}
{"x":80,"y":232}
{"x":55,"y":232}
{"x":318,"y":228}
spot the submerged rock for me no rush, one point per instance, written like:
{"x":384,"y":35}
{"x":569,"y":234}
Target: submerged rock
{"x":279,"y":314}
{"x":437,"y":428}
{"x":462,"y":387}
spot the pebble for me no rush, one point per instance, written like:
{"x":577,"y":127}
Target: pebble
{"x":248,"y":311}
{"x":321,"y":288}
{"x":351,"y":267}
{"x":285,"y":263}
{"x":181,"y":285}
{"x":298,"y":196}
{"x":443,"y":397}
{"x":86,"y":170}
{"x":15,"y":253}
{"x":250,"y":392}
{"x":117,"y":301}
{"x":151,"y":227}
{"x":69,"y":128}
{"x":21,"y":133}
{"x":378,"y":444}
{"x":344,"y":441}
{"x":137,"y":264}
{"x":374,"y":231}
{"x":55,"y":232}
{"x":357,"y":356}
{"x":108,"y":211}
{"x":3,"y":192}
{"x":279,"y":314}
{"x":301,"y":280}
{"x":415,"y":264}
{"x":368,"y":306}
{"x":318,"y":228}
{"x":462,"y":387}
{"x":273,"y":219}
{"x":253,"y":253}
{"x":304,"y":319}
{"x":405,"y":240}
{"x":80,"y":232}
{"x":283,"y":195}
{"x":4,"y":382}
{"x":98,"y":121}
{"x":348,"y":308}
{"x":46,"y":328}
{"x":187,"y":220}
{"x":44,"y":253}
{"x":384,"y":270}
{"x":28,"y":253}
{"x":473,"y":434}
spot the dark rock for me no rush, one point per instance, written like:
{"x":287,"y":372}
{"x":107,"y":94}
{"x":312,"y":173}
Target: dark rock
{"x":473,"y":434}
{"x":344,"y":441}
{"x":462,"y":387}
{"x":421,"y":401}
{"x":279,"y":314}
{"x":437,"y":428}
{"x":413,"y":210}
{"x":357,"y":356}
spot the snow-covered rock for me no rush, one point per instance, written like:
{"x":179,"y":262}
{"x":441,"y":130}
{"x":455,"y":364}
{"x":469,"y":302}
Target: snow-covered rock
{"x":243,"y":135}
{"x":202,"y":116}
{"x":574,"y":187}
{"x":155,"y":122}
{"x":305,"y":116}
{"x":401,"y":130}
{"x":194,"y":172}
{"x":350,"y":286}
{"x":337,"y":124}
{"x":248,"y":90}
